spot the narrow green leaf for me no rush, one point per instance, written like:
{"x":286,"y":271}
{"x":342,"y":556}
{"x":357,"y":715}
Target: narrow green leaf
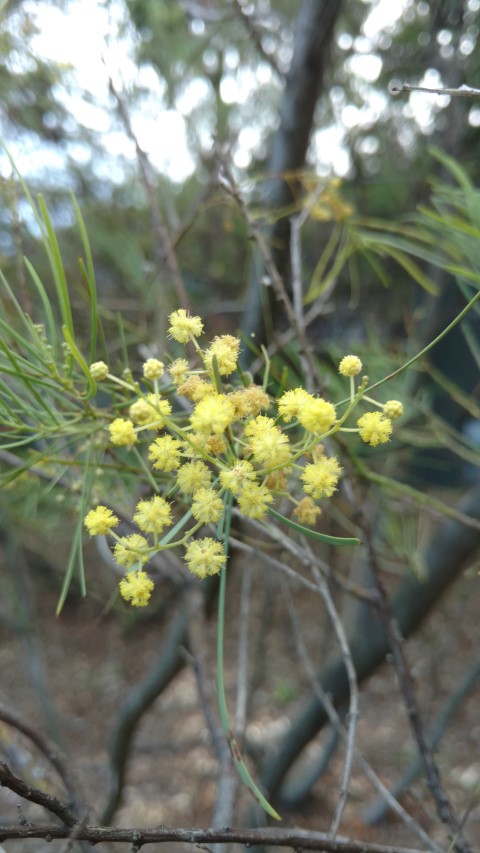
{"x":88,"y":273}
{"x":56,"y":265}
{"x":91,"y":386}
{"x":337,"y":541}
{"x":47,"y":308}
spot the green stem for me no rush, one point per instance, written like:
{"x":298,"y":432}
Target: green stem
{"x":224,"y":532}
{"x":429,"y":346}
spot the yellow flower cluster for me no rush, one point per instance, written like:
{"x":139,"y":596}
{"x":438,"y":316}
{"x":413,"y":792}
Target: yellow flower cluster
{"x":227,"y":442}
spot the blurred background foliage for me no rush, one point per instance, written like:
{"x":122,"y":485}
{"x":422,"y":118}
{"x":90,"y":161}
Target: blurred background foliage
{"x":206,"y":72}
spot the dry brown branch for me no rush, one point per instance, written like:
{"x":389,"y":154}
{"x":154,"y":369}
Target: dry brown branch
{"x":46,"y":747}
{"x":35,"y":795}
{"x":296,"y":839}
{"x":336,"y":723}
{"x":395,"y":640}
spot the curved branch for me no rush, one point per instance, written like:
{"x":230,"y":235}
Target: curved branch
{"x":169,"y":662}
{"x":451,"y":548}
{"x":45,"y":746}
{"x":34,"y":795}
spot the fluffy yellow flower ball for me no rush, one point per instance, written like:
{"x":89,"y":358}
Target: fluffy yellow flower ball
{"x":100,"y":521}
{"x":374,"y":428}
{"x":184,"y":328}
{"x":321,"y":477}
{"x":122,"y":432}
{"x":205,"y":557}
{"x":153,"y":368}
{"x":350,"y":365}
{"x":137,"y":588}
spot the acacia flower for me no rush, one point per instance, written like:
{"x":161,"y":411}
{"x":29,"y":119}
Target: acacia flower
{"x":100,"y":520}
{"x":215,"y":445}
{"x":213,"y":414}
{"x":164,"y":453}
{"x":225,"y":349}
{"x":195,"y":388}
{"x":153,"y":515}
{"x":151,"y":409}
{"x":249,"y":401}
{"x":321,"y":477}
{"x":207,"y":506}
{"x":317,"y":415}
{"x":184,"y":328}
{"x":393,"y":409}
{"x":253,"y":500}
{"x":130,"y":550}
{"x":122,"y":432}
{"x":350,"y":365}
{"x":153,"y":368}
{"x":238,"y":477}
{"x":374,"y":428}
{"x":306,"y":511}
{"x":259,"y":426}
{"x":205,"y":557}
{"x":178,"y":370}
{"x":291,"y":402}
{"x":137,"y":588}
{"x":270,"y":448}
{"x":193,"y":476}
{"x":98,"y":370}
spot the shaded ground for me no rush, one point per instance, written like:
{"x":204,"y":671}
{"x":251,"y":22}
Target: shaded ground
{"x":69,"y":676}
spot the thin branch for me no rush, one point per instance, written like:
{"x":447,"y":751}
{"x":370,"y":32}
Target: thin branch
{"x":377,"y":811}
{"x":252,"y":29}
{"x":242,"y":693}
{"x":461,"y":92}
{"x":198,"y":653}
{"x":353,"y":688}
{"x":297,"y":839}
{"x":304,"y":558}
{"x":163,"y":245}
{"x":336,"y":723}
{"x":35,"y":795}
{"x":228,"y":184}
{"x":46,"y":747}
{"x":168,"y":663}
{"x":405,"y":680}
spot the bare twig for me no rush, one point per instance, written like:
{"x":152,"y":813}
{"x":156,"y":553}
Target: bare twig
{"x":35,"y":795}
{"x":245,"y":598}
{"x":339,"y":728}
{"x":169,"y":661}
{"x":198,"y":653}
{"x":395,"y":640}
{"x":304,"y":558}
{"x":163,"y":244}
{"x":352,"y":683}
{"x":376,"y":812}
{"x":298,"y":839}
{"x":46,"y":747}
{"x":228,"y":184}
{"x":461,"y":92}
{"x":252,"y":28}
